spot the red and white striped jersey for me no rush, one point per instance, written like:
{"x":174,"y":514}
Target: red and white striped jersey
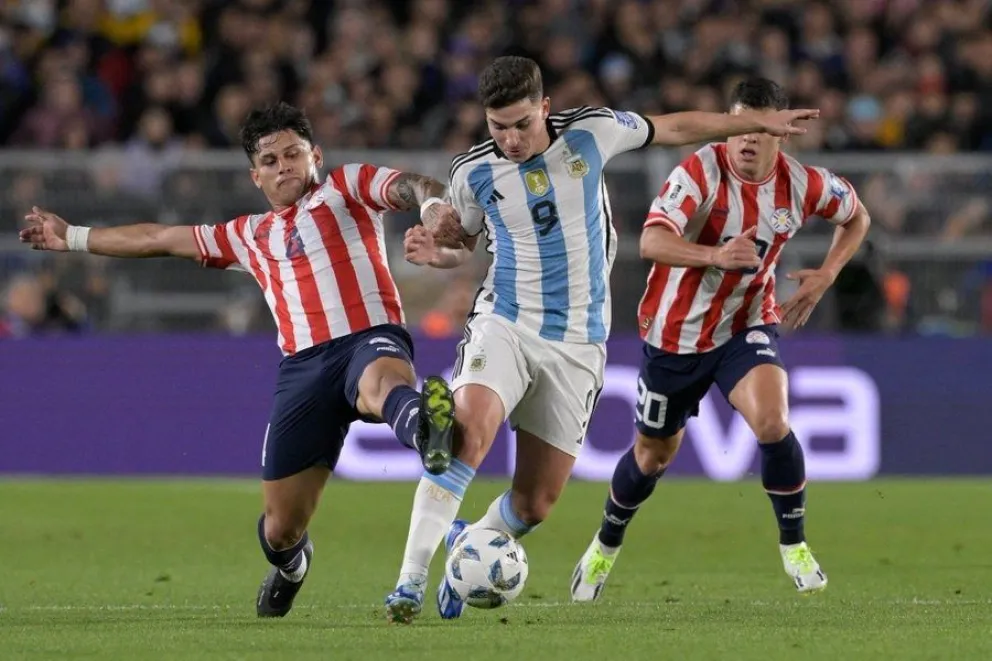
{"x":694,"y":310}
{"x":321,"y":263}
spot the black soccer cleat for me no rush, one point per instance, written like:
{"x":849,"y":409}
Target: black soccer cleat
{"x":276,"y":594}
{"x":435,"y":433}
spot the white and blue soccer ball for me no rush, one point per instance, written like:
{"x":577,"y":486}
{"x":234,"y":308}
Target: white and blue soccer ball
{"x":487,"y":568}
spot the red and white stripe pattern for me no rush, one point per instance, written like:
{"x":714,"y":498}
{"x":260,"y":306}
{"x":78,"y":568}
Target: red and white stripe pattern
{"x":321,"y":263}
{"x":695,"y":310}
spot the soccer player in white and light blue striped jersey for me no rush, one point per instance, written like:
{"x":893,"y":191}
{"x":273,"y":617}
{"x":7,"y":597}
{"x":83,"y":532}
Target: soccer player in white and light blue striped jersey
{"x":534,"y":349}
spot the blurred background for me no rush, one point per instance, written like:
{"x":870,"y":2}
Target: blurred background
{"x":115,"y":111}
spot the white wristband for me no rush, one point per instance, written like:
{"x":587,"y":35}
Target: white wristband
{"x":429,"y":202}
{"x":76,"y":238}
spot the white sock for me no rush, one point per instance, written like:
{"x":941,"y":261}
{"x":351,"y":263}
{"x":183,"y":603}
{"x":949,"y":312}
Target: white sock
{"x":607,"y":550}
{"x":435,"y":506}
{"x":500,"y":516}
{"x":301,"y":571}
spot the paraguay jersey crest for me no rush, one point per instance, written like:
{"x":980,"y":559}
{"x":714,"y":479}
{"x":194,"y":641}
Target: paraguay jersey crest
{"x":575,"y":164}
{"x":782,"y":221}
{"x":537,"y":182}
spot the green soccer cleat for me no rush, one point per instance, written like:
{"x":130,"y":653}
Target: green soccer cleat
{"x":802,"y":567}
{"x":592,"y":571}
{"x":435,"y":434}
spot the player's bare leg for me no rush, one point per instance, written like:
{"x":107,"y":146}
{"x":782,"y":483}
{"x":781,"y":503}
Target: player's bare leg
{"x":634,"y":479}
{"x":479,"y":412}
{"x":282,"y":530}
{"x":539,"y":478}
{"x":762,"y":398}
{"x":423,"y":421}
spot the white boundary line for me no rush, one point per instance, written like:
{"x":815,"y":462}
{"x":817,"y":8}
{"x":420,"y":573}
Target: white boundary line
{"x":68,"y":608}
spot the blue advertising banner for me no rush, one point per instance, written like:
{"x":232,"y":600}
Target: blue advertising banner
{"x":197,"y":405}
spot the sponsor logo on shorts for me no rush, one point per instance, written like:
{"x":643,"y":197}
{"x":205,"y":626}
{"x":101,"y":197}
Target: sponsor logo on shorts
{"x":766,"y":352}
{"x":757,"y":337}
{"x":477,"y":364}
{"x":384,"y":344}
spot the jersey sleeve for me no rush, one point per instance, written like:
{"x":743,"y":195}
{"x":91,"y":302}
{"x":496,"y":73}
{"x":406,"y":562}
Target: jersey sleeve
{"x":462,"y":197}
{"x":618,"y":131}
{"x":685,"y":190}
{"x":837,"y":202}
{"x":216,"y":244}
{"x":366,"y":184}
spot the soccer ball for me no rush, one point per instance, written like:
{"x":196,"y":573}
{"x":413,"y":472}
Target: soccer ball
{"x":487,"y":568}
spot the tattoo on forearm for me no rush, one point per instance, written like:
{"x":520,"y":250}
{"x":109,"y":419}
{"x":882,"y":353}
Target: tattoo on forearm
{"x":409,"y":190}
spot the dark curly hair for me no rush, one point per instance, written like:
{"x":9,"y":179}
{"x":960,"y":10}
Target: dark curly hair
{"x":272,"y":119}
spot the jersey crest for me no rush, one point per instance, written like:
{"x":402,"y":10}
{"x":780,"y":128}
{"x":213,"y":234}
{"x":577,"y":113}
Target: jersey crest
{"x":537,"y":182}
{"x":576,"y":166}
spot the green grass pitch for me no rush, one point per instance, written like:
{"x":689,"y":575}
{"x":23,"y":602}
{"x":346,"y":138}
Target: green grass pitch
{"x":168,"y":570}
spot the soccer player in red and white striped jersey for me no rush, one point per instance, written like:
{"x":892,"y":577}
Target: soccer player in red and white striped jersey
{"x":715,"y":233}
{"x":320,"y":259}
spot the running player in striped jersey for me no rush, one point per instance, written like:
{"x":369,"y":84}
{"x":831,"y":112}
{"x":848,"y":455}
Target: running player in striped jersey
{"x":715,"y":233}
{"x":320,"y":260}
{"x":534,"y":350}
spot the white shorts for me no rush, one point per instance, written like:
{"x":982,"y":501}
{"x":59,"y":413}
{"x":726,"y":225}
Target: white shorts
{"x":548,"y":388}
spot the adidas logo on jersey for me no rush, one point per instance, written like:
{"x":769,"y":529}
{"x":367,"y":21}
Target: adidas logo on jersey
{"x":495,"y":197}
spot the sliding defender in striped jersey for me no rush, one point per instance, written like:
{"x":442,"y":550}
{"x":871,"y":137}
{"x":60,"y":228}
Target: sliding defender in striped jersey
{"x":318,"y":256}
{"x":715,"y":232}
{"x":534,"y":348}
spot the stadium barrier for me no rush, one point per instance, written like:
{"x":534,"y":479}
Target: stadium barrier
{"x":197,"y":406}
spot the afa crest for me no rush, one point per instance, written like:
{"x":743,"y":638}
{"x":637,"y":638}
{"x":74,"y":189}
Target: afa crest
{"x":575,"y":164}
{"x":538,"y":182}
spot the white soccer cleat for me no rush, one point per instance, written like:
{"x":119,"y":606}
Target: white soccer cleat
{"x":592,"y":571}
{"x":802,"y":567}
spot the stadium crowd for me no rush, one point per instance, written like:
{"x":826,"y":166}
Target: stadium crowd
{"x":890,"y":74}
{"x":158,"y":78}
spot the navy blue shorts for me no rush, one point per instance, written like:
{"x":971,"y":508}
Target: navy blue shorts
{"x":670,"y":385}
{"x":316,"y":395}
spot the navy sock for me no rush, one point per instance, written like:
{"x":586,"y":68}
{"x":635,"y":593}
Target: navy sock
{"x":783,"y":474}
{"x":401,"y":410}
{"x":288,"y":560}
{"x":628,"y":489}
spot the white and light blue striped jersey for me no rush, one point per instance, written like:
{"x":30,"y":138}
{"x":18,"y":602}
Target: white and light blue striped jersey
{"x":548,"y":223}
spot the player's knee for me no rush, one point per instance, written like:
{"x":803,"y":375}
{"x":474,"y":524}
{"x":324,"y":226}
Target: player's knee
{"x":283,"y":532}
{"x":655,"y":454}
{"x":534,"y":508}
{"x":771,"y":426}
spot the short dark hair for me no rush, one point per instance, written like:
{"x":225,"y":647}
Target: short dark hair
{"x":510,"y":79}
{"x":759,"y":94}
{"x":272,"y":119}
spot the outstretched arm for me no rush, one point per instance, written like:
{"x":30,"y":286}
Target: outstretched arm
{"x":47,"y":231}
{"x":687,"y":128}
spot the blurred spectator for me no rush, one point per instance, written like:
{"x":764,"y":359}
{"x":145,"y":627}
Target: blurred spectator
{"x":387,"y":73}
{"x":30,"y":308}
{"x":447,"y":317}
{"x":158,"y":77}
